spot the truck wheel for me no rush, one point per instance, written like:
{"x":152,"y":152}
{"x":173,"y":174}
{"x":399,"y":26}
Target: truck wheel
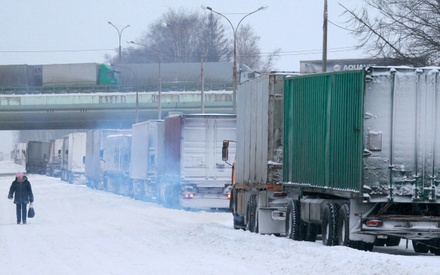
{"x":392,"y":241}
{"x":252,"y":223}
{"x":106,"y":184}
{"x":330,"y":224}
{"x":311,"y":232}
{"x":420,"y":246}
{"x":344,"y":225}
{"x":434,"y":246}
{"x":238,"y":221}
{"x":380,"y":242}
{"x":366,"y":246}
{"x":294,"y":229}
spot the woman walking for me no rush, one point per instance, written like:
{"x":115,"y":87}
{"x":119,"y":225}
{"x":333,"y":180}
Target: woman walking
{"x":23,"y":195}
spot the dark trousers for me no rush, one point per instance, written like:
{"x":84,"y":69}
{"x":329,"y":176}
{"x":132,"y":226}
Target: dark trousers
{"x":21,"y":212}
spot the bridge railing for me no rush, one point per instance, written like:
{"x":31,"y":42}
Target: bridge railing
{"x":137,"y":87}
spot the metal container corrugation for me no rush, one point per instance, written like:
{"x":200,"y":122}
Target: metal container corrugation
{"x":260,"y":130}
{"x":323,"y":130}
{"x":94,"y":167}
{"x":193,"y":146}
{"x":370,"y":132}
{"x":37,"y":153}
{"x":77,"y":152}
{"x":117,"y":153}
{"x":175,"y":72}
{"x":70,"y":74}
{"x":147,"y":149}
{"x":401,"y":134}
{"x":17,"y":76}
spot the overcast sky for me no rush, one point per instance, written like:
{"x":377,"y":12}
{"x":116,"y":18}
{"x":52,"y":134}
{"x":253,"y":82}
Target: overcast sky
{"x":53,"y":31}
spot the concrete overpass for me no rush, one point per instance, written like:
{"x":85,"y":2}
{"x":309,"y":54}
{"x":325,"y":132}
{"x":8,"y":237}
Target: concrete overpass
{"x":103,"y":110}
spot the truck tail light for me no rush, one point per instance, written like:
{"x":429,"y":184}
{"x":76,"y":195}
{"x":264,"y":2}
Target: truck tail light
{"x":280,"y":194}
{"x":188,"y":196}
{"x":374,"y":223}
{"x":229,"y":196}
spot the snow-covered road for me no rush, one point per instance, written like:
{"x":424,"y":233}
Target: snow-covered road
{"x":78,"y":230}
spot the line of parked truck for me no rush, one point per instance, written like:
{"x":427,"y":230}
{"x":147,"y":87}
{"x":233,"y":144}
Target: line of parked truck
{"x":176,"y":161}
{"x":105,"y":77}
{"x":353,"y":156}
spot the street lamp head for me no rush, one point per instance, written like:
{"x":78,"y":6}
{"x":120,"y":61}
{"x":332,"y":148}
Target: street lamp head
{"x":263,"y":8}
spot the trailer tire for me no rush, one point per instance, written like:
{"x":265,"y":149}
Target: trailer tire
{"x":252,"y":222}
{"x":420,"y":246}
{"x":294,"y":230}
{"x":392,"y":241}
{"x":435,"y":246}
{"x":366,"y":246}
{"x":330,"y":224}
{"x":105,"y":184}
{"x":380,"y":242}
{"x":344,"y":225}
{"x":311,"y":232}
{"x":237,"y":219}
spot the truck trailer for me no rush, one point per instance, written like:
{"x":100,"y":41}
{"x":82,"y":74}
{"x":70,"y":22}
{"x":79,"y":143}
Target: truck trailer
{"x":79,"y":74}
{"x":94,"y":163}
{"x":194,"y":175}
{"x":116,"y":160}
{"x":54,"y":163}
{"x":146,"y":158}
{"x":20,"y":153}
{"x":358,"y":151}
{"x":37,"y":156}
{"x":58,"y":78}
{"x":73,"y":158}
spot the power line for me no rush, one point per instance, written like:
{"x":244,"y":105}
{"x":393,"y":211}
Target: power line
{"x":284,"y":53}
{"x":340,"y":26}
{"x":305,"y":52}
{"x":54,"y":51}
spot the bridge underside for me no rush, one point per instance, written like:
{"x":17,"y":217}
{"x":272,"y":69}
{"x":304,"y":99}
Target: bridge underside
{"x":92,"y":117}
{"x":103,"y":110}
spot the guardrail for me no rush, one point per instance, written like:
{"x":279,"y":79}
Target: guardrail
{"x":136,"y":87}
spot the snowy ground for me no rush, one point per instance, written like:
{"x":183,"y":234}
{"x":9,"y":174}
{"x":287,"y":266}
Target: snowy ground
{"x":78,"y":230}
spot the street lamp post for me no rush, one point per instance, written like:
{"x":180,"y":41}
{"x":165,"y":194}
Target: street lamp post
{"x":234,"y":68}
{"x":119,"y":35}
{"x":159,"y":113}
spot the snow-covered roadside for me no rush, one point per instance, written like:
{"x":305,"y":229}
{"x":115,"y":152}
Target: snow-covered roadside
{"x":78,"y":230}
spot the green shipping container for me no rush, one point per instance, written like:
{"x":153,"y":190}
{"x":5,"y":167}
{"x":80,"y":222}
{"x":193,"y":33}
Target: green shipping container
{"x":368,"y":133}
{"x":323,"y":130}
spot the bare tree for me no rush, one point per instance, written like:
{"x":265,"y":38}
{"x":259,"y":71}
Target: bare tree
{"x":182,"y":36}
{"x":249,"y":53}
{"x":406,"y":30}
{"x":215,"y":44}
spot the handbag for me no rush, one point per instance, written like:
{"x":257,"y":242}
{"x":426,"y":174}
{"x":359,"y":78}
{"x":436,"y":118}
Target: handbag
{"x":31,"y":211}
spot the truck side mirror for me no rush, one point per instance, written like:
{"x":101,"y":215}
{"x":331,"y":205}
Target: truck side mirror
{"x":225,"y":152}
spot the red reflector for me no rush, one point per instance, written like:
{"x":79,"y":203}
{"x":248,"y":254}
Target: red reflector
{"x":280,"y":194}
{"x":274,"y":187}
{"x":374,"y":223}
